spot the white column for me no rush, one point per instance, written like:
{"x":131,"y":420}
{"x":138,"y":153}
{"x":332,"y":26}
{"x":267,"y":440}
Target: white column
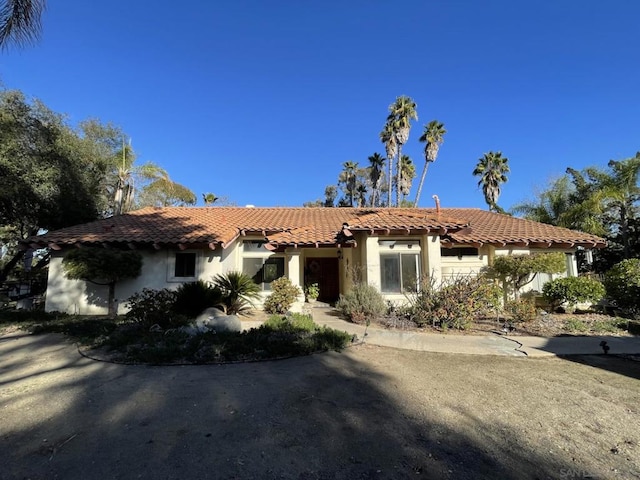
{"x":431,"y":258}
{"x":347,"y":268}
{"x":372,"y":261}
{"x":294,"y":273}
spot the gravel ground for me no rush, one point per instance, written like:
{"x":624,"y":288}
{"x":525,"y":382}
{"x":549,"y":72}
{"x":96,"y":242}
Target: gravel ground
{"x":368,"y":412}
{"x":548,"y":325}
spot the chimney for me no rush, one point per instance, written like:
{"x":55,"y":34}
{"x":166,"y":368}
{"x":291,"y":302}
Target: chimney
{"x":435,"y":197}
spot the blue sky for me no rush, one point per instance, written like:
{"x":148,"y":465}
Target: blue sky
{"x":261,"y":102}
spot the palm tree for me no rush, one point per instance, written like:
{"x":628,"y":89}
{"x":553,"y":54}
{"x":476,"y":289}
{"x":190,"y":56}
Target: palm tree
{"x":124,"y":188}
{"x":330,"y":194}
{"x":492,"y":169}
{"x":407,"y":174}
{"x":433,"y":136}
{"x":391,"y":147}
{"x":551,"y":205}
{"x":209,"y":199}
{"x":153,"y":181}
{"x":349,"y":179}
{"x":361,"y":195}
{"x":376,"y":164}
{"x":20,"y":21}
{"x":401,"y":112}
{"x":619,"y":193}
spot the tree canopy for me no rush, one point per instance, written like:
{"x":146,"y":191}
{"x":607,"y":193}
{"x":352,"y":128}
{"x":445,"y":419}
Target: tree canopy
{"x":102,"y":266}
{"x":55,"y":176}
{"x":599,"y":201}
{"x":516,"y":271}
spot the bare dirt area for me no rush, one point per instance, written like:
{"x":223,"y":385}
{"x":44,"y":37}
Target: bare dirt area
{"x":545,"y":325}
{"x":368,"y":412}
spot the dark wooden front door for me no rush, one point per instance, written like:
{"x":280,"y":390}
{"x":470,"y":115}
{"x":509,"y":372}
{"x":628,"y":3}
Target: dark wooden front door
{"x":325,"y":272}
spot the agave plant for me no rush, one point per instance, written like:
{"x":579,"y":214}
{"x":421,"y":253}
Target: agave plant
{"x":239,"y":290}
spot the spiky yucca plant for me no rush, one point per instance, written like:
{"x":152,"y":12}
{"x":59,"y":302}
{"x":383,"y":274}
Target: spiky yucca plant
{"x":239,"y":291}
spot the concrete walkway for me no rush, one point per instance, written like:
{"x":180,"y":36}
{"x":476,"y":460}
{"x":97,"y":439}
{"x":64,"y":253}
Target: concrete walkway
{"x":478,"y":344}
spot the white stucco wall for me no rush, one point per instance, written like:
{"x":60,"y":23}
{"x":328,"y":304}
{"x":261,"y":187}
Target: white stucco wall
{"x":78,"y":297}
{"x":453,"y":266}
{"x":85,"y":298}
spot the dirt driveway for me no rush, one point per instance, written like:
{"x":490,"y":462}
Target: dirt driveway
{"x":369,"y":412}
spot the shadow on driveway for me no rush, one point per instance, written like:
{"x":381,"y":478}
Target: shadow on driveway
{"x":334,"y":415}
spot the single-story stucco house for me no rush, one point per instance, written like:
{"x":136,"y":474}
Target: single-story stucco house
{"x":390,"y":248}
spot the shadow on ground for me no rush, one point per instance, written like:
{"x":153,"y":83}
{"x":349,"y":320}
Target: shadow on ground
{"x":365,"y":413}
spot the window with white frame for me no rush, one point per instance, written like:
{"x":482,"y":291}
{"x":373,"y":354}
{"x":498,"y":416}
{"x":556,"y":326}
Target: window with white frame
{"x":261,"y":265}
{"x":399,"y":265}
{"x":182,"y":266}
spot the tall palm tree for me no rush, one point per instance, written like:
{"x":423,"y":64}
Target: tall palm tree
{"x":376,"y":165}
{"x":388,"y":137}
{"x":407,"y":174}
{"x":20,"y":21}
{"x":349,"y":179}
{"x":433,"y":136}
{"x":401,"y":112}
{"x":492,"y":169}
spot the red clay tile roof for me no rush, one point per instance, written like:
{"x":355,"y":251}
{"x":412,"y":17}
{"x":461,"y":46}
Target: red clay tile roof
{"x":213,"y":226}
{"x":333,"y":227}
{"x":497,"y":229}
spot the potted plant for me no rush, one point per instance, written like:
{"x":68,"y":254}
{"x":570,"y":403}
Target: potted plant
{"x":311,"y":292}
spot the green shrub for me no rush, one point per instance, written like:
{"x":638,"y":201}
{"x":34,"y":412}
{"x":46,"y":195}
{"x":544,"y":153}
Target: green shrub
{"x":154,"y":307}
{"x":622,"y":284}
{"x":238,"y":290}
{"x":455,"y":303}
{"x":295,"y":320}
{"x":515,"y":271}
{"x":522,"y":310}
{"x":611,"y":326}
{"x":194,"y":297}
{"x":572,"y":290}
{"x":283,"y":295}
{"x":312,"y":291}
{"x":362,"y":303}
{"x":576,"y":325}
{"x":280,"y":336}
